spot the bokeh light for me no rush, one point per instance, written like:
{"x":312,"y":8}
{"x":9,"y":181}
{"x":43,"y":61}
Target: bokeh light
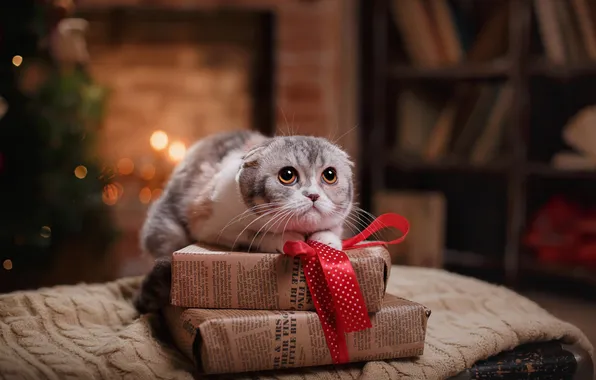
{"x":17,"y":60}
{"x":147,"y":172}
{"x":111,"y":193}
{"x":7,"y":264}
{"x":145,"y":195}
{"x":159,"y":140}
{"x":125,"y":166}
{"x":177,"y":151}
{"x":45,"y":232}
{"x":80,"y":172}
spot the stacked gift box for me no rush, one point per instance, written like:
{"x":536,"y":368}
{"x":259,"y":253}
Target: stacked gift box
{"x":238,"y":312}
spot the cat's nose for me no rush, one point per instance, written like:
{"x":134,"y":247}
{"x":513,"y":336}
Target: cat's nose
{"x":313,"y":197}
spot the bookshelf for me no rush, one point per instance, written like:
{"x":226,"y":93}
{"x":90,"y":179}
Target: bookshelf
{"x":506,"y":181}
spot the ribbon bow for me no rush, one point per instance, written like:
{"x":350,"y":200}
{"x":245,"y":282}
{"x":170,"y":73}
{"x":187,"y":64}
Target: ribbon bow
{"x":333,"y":285}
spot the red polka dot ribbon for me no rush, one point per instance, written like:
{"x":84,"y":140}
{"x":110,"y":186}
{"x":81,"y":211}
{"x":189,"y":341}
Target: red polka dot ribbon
{"x":333,"y":285}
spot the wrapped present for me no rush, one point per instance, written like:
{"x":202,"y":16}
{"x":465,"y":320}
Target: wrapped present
{"x":230,"y":341}
{"x":331,"y":280}
{"x":210,"y":277}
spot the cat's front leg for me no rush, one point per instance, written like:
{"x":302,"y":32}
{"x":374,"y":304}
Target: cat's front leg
{"x":327,"y":237}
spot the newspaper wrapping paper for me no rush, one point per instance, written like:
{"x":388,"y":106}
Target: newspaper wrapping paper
{"x":213,"y":278}
{"x":230,"y":341}
{"x":333,"y":284}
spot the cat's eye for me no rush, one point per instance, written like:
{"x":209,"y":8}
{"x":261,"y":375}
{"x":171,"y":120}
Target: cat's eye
{"x":288,"y":176}
{"x":329,"y":176}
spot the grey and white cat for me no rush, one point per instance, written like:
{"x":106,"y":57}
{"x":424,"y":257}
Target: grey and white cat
{"x":248,"y":192}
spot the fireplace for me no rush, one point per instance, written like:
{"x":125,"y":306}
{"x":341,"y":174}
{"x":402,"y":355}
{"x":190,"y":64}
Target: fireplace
{"x":180,"y":70}
{"x":173,"y":77}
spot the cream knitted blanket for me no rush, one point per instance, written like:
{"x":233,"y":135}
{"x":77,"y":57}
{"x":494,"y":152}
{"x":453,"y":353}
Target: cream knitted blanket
{"x":93,"y":332}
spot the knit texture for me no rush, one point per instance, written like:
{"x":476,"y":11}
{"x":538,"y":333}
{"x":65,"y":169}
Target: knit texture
{"x":93,"y":332}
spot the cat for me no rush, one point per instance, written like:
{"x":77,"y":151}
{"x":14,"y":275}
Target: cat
{"x":246,"y":192}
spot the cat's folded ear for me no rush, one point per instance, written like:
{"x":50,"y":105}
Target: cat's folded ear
{"x":251,"y":158}
{"x":346,"y":157}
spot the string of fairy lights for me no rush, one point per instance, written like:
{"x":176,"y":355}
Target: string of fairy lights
{"x":17,"y":60}
{"x":45,"y":231}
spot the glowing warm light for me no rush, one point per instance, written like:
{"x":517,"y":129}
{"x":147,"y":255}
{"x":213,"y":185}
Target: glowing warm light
{"x":17,"y":60}
{"x":125,"y":166}
{"x":7,"y":264}
{"x":147,"y":172}
{"x":159,"y":140}
{"x":111,"y":193}
{"x":177,"y":151}
{"x":45,"y":232}
{"x":80,"y":172}
{"x":145,"y":195}
{"x":156,"y":193}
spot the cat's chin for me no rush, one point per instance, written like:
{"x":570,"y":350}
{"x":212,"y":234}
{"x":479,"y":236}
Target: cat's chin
{"x":311,"y":221}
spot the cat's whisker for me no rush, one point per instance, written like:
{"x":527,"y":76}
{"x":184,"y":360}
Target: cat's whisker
{"x":371,"y":218}
{"x":286,"y":226}
{"x":353,"y":229}
{"x":344,"y":134}
{"x":280,"y":218}
{"x":249,"y":224}
{"x":246,"y":214}
{"x":283,"y":211}
{"x":356,"y":223}
{"x":286,"y":120}
{"x":362,"y":224}
{"x":341,"y":215}
{"x":279,"y":211}
{"x":273,"y":218}
{"x":293,"y":132}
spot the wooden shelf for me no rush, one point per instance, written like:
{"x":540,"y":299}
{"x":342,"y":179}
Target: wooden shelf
{"x":547,"y":171}
{"x":467,"y":71}
{"x":445,"y":166}
{"x":550,"y":70}
{"x":382,"y":78}
{"x":532,"y":169}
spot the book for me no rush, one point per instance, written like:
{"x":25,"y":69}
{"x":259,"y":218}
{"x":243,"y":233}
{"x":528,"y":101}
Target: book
{"x":571,"y":35}
{"x":447,"y":35}
{"x":414,"y":25}
{"x":583,"y":15}
{"x":487,"y":145}
{"x":416,"y":114}
{"x":550,"y":30}
{"x":476,"y":121}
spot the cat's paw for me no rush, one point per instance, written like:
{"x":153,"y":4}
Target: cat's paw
{"x":327,"y":238}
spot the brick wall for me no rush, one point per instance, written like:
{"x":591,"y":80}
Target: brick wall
{"x":315,"y":59}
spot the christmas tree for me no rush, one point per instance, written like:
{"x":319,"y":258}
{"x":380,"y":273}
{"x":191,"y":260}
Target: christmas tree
{"x":51,"y":180}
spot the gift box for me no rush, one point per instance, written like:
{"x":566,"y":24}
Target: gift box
{"x":231,"y":341}
{"x":212,"y":278}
